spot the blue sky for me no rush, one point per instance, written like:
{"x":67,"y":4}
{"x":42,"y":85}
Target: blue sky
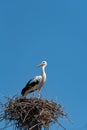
{"x":55,"y":31}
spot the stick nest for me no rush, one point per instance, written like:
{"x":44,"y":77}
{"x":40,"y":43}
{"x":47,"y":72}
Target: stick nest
{"x":31,"y":113}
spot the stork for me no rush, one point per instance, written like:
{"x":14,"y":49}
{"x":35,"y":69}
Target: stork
{"x":36,"y":83}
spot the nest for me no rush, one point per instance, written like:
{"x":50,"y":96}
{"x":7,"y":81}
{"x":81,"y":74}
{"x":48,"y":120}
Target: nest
{"x":31,"y":113}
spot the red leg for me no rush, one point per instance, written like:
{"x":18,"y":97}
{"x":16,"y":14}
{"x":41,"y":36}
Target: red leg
{"x":39,"y":93}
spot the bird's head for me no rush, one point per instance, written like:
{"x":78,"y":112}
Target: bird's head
{"x":43,"y":63}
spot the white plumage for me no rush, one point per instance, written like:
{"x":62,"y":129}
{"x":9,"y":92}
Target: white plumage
{"x":37,"y":82}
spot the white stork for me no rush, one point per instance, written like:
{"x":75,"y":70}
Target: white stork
{"x":37,"y":82}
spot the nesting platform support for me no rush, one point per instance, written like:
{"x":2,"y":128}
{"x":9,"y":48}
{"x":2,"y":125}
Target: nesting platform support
{"x":31,"y":113}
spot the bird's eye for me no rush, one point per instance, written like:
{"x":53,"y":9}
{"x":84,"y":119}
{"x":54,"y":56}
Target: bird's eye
{"x":43,"y":61}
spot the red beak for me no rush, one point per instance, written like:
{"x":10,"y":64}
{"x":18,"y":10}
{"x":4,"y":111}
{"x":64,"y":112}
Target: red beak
{"x":40,"y":65}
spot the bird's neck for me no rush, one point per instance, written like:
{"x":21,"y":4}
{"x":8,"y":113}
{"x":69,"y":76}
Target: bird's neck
{"x":43,"y":71}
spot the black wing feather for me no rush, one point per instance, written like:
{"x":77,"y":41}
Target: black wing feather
{"x":29,"y":85}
